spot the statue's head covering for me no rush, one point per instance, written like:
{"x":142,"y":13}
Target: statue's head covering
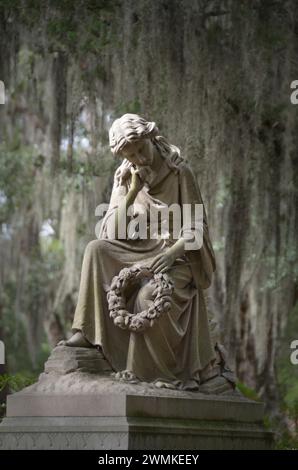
{"x":132,"y":127}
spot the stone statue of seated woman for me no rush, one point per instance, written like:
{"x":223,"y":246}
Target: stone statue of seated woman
{"x":173,"y":345}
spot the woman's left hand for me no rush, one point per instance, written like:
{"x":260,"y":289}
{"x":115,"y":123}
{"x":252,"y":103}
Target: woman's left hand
{"x":163,"y":262}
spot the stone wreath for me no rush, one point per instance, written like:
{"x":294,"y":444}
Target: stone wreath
{"x":161,"y":301}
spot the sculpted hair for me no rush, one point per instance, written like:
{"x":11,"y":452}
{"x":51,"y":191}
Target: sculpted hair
{"x":131,"y":127}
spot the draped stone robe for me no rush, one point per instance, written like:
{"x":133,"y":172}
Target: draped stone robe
{"x":178,"y":346}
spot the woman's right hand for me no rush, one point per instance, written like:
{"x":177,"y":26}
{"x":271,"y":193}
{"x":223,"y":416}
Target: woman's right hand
{"x":122,"y":173}
{"x":136,"y":182}
{"x":139,"y":176}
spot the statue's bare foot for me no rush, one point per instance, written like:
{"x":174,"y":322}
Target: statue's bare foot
{"x":77,"y":341}
{"x":125,"y":376}
{"x":163,"y":384}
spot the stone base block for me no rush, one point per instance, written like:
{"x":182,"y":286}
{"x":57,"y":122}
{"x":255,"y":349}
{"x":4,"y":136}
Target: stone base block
{"x":78,"y":404}
{"x":132,"y":422}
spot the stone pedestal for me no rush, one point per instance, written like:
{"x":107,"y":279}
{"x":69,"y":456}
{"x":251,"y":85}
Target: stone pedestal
{"x":72,"y":408}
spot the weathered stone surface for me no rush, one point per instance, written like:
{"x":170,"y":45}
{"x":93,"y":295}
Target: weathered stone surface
{"x":85,"y":362}
{"x":77,"y":403}
{"x":103,"y":433}
{"x":112,"y":402}
{"x":64,"y":359}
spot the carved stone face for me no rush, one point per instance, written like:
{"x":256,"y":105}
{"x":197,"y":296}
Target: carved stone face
{"x":139,"y":152}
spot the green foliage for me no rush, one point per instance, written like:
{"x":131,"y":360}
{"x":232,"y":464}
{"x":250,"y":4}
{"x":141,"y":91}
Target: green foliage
{"x":219,"y":245}
{"x":16,"y":179}
{"x":293,"y":408}
{"x":16,"y":382}
{"x":82,"y":173}
{"x":286,"y":430}
{"x":287,"y":373}
{"x":133,"y":106}
{"x":284,"y":438}
{"x":14,"y":328}
{"x":287,"y":441}
{"x":278,"y":270}
{"x":25,"y":290}
{"x":247,"y":391}
{"x":17,"y":319}
{"x":287,"y":376}
{"x":214,"y":33}
{"x":52,"y":258}
{"x":74,"y":27}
